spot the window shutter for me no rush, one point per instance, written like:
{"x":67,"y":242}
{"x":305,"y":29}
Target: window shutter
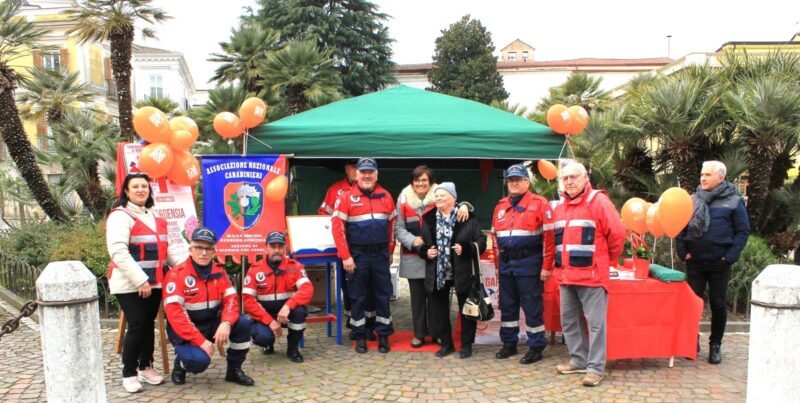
{"x":107,"y":68}
{"x":64,"y":59}
{"x":41,"y":127}
{"x":37,"y":58}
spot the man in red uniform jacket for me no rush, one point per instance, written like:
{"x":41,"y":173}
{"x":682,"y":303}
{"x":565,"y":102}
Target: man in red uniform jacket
{"x":275,"y":294}
{"x":589,"y":238}
{"x":337,"y":188}
{"x":201,"y":305}
{"x":362,"y":227}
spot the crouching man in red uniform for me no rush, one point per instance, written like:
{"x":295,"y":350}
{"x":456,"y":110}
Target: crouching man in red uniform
{"x":275,"y":294}
{"x":201,"y":305}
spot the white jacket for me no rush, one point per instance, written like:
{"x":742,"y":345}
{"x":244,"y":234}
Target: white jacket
{"x":127,"y":276}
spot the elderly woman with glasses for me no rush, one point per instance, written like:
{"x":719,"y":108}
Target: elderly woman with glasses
{"x":415,"y":200}
{"x":137,"y":244}
{"x":449,"y":247}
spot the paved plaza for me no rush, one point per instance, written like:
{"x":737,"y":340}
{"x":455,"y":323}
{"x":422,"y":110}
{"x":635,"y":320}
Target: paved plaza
{"x":336,"y":373}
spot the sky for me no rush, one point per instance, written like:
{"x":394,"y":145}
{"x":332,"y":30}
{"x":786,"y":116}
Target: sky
{"x":556,"y":29}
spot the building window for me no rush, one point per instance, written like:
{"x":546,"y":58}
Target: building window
{"x":525,"y":56}
{"x":156,"y":86}
{"x":512,"y":56}
{"x":51,"y":61}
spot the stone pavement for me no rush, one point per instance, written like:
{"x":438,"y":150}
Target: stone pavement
{"x":336,"y":373}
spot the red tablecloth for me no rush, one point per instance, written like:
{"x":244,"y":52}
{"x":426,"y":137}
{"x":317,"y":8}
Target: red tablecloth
{"x":646,"y":318}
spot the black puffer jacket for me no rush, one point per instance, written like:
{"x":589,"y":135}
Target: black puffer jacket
{"x":464,"y":234}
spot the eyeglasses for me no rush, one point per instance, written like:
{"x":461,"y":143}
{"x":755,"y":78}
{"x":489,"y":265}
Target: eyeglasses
{"x":567,"y":178}
{"x":203,"y":249}
{"x":421,"y":181}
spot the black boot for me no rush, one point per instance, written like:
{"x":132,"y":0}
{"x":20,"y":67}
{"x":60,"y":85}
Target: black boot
{"x":292,"y":342}
{"x":178,"y":373}
{"x":466,"y":351}
{"x":507,"y":351}
{"x":714,"y":353}
{"x":446,"y":349}
{"x":531,"y":356}
{"x":371,"y":335}
{"x":268,"y":350}
{"x":361,"y":345}
{"x":294,"y":355}
{"x":383,"y":344}
{"x":236,"y":375}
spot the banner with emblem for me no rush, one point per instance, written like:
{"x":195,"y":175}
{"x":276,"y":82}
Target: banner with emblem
{"x":174,"y":203}
{"x":243,"y":200}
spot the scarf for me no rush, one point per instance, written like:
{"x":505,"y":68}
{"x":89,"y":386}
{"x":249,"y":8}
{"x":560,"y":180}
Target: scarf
{"x":410,"y":196}
{"x":701,"y":217}
{"x":444,"y":234}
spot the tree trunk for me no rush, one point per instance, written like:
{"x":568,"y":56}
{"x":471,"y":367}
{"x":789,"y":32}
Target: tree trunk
{"x":121,"y":49}
{"x":758,"y":187}
{"x":295,"y":100}
{"x":21,"y":151}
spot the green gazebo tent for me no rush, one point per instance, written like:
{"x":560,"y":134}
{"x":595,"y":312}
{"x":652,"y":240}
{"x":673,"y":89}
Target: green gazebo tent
{"x":466,"y":142}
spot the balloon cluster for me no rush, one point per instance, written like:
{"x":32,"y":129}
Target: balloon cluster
{"x":170,"y":140}
{"x":251,"y":113}
{"x":567,"y":121}
{"x":668,"y":216}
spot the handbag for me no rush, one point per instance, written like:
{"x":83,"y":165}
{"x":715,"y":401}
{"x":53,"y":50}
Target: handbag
{"x":478,"y":305}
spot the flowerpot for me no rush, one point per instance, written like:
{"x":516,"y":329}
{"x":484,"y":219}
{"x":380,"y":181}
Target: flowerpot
{"x":641,"y":267}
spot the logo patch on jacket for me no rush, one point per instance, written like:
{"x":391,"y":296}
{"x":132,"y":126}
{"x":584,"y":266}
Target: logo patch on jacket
{"x":170,"y":287}
{"x":247,"y":280}
{"x":500,"y":214}
{"x":189,"y":281}
{"x":355,"y":199}
{"x":260,"y":277}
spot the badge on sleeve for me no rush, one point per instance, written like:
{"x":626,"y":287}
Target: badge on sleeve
{"x":500,"y":214}
{"x":336,"y":204}
{"x":170,"y":287}
{"x":189,"y":281}
{"x":549,"y":216}
{"x":247,"y":280}
{"x":303,"y":272}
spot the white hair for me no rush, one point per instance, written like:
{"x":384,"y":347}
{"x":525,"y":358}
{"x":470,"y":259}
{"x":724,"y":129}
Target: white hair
{"x":718,"y":167}
{"x":574,"y":166}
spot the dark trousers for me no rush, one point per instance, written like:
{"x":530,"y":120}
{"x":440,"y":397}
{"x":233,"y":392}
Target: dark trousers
{"x":140,"y":313}
{"x":264,"y":336}
{"x":370,"y":280}
{"x":716,"y":275}
{"x":420,"y":305}
{"x":439,"y":315}
{"x":193,"y":359}
{"x":525,"y":292}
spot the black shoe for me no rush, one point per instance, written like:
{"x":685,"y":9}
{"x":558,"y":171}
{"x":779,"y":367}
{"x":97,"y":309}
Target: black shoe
{"x":371,"y":336}
{"x":507,"y":351}
{"x":178,"y":374}
{"x":383,"y":344}
{"x":698,"y":344}
{"x":268,"y":350}
{"x":294,"y":355}
{"x":445,"y":350}
{"x":531,"y":356}
{"x":238,"y":376}
{"x":361,"y":345}
{"x":466,"y":351}
{"x":714,"y":354}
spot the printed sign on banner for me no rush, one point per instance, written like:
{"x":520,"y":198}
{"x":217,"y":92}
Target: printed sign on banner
{"x":174,"y":203}
{"x":243,"y":200}
{"x":489,"y":332}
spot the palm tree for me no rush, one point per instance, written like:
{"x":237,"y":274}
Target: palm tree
{"x":164,"y":104}
{"x":82,"y":140}
{"x":244,"y":55}
{"x":515,"y":108}
{"x":113,"y":21}
{"x":50,"y":93}
{"x":221,"y":99}
{"x":579,"y":89}
{"x":303,"y":74}
{"x":18,"y":38}
{"x":767,"y":113}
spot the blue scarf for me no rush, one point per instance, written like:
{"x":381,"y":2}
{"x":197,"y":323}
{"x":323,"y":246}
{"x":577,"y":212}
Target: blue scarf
{"x":701,"y":217}
{"x":444,"y":234}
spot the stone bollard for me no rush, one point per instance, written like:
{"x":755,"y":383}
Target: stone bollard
{"x":775,"y":317}
{"x":70,"y":333}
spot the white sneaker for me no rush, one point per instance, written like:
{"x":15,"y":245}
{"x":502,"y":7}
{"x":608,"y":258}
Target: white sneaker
{"x":150,"y":376}
{"x":131,"y":384}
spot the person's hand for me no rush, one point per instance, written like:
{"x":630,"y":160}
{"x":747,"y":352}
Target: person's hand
{"x":283,"y":315}
{"x":223,"y":331}
{"x":545,"y":275}
{"x":432,"y":252}
{"x":276,"y":328}
{"x":457,"y":249}
{"x":349,"y":265}
{"x":208,"y":347}
{"x":688,"y":256}
{"x":145,"y":290}
{"x":463,"y":213}
{"x":418,"y":241}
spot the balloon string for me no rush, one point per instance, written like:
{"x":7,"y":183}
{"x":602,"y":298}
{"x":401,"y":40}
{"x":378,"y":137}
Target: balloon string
{"x":655,"y":246}
{"x":560,"y":153}
{"x":671,"y":257}
{"x":256,"y":139}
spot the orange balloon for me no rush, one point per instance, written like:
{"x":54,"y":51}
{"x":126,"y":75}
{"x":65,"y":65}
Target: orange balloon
{"x":556,"y":119}
{"x":578,"y":119}
{"x":276,"y":190}
{"x":675,"y":209}
{"x":185,"y":170}
{"x":156,"y":159}
{"x":252,"y":112}
{"x":228,"y":125}
{"x":634,"y":213}
{"x":547,"y":169}
{"x":185,"y":123}
{"x":653,"y":224}
{"x":181,"y":140}
{"x":151,"y":124}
